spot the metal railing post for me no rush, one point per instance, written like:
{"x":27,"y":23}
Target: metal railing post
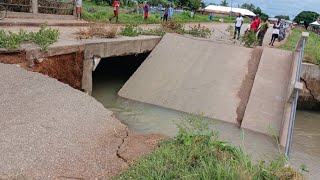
{"x":301,"y":45}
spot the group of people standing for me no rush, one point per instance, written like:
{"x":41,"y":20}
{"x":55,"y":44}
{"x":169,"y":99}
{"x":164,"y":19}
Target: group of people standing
{"x":167,"y":11}
{"x":258,"y":27}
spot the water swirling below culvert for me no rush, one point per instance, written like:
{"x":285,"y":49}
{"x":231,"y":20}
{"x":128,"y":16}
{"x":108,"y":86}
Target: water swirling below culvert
{"x":146,"y":118}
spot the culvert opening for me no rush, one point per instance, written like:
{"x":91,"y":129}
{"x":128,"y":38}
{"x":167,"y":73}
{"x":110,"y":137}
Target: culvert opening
{"x":111,"y":73}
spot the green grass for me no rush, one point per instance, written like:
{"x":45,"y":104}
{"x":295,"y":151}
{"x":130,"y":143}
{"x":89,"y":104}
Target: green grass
{"x":93,"y":12}
{"x":312,"y":49}
{"x":44,"y":38}
{"x":198,"y":154}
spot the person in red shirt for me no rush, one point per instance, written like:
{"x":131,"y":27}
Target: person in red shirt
{"x":146,"y":10}
{"x":115,"y":10}
{"x":254,"y":25}
{"x":258,"y":19}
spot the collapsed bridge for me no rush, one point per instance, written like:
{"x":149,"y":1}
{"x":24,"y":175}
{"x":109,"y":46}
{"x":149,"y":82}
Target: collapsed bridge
{"x":250,"y":87}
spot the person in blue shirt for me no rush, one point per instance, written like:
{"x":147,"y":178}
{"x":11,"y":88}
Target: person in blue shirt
{"x":162,"y":12}
{"x":211,"y":17}
{"x":171,"y":12}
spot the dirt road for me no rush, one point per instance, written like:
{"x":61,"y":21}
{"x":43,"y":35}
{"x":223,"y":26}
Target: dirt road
{"x":219,"y":35}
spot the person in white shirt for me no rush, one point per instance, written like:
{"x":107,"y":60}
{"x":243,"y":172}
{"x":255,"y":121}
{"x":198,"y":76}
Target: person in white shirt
{"x":275,"y":31}
{"x":78,"y":9}
{"x":238,"y":24}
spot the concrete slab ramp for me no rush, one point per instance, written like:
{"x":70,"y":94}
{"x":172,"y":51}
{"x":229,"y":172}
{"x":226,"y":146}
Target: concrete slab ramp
{"x":196,"y":76}
{"x":269,"y":93}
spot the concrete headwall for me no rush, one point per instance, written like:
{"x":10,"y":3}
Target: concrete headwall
{"x":115,"y":47}
{"x":310,"y":96}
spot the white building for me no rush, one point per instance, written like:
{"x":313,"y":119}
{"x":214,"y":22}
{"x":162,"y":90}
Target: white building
{"x":222,"y":10}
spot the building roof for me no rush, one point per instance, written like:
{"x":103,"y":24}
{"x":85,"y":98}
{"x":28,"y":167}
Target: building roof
{"x":223,"y":9}
{"x":316,"y":23}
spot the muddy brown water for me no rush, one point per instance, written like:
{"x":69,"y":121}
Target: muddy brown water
{"x":112,"y":73}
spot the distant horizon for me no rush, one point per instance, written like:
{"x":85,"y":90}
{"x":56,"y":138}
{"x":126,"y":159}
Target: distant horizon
{"x":273,"y":8}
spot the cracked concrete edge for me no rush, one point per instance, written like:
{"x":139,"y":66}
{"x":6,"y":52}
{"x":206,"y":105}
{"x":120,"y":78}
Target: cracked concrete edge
{"x":305,"y":82}
{"x":247,"y":84}
{"x":122,"y":142}
{"x":36,"y":53}
{"x":137,"y":145}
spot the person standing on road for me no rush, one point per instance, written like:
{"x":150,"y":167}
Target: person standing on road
{"x":171,"y":12}
{"x":275,"y":31}
{"x":238,"y":24}
{"x":210,"y":17}
{"x":166,"y":13}
{"x":78,"y":9}
{"x":254,"y":25}
{"x":263,"y":30}
{"x":162,"y":12}
{"x":137,"y":7}
{"x":146,"y":10}
{"x":115,"y":10}
{"x":258,"y":19}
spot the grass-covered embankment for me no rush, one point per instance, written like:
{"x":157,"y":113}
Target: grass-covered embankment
{"x":102,"y":13}
{"x":197,"y":153}
{"x":44,"y":38}
{"x":312,"y":48}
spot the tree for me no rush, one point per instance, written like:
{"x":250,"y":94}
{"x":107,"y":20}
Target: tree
{"x":224,"y":3}
{"x":264,"y":16}
{"x":307,"y":17}
{"x":194,"y":4}
{"x":257,"y":11}
{"x":248,"y":6}
{"x":203,"y":5}
{"x":283,"y":17}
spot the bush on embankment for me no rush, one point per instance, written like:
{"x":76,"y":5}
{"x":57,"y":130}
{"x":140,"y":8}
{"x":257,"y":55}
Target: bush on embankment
{"x":312,"y":48}
{"x":166,"y":27}
{"x":44,"y":38}
{"x":197,"y":153}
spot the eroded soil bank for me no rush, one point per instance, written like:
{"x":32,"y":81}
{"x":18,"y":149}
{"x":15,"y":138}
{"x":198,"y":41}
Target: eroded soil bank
{"x":66,"y":68}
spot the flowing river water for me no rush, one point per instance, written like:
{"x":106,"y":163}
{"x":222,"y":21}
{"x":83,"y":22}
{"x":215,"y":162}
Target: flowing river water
{"x":112,"y":73}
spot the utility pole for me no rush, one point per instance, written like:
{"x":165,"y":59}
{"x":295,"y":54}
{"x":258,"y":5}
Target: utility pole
{"x":231,"y":8}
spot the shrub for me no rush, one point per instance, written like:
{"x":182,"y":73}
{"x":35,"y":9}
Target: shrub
{"x":198,"y":153}
{"x":174,"y":27}
{"x":44,"y":38}
{"x":98,"y":30}
{"x":230,"y":29}
{"x":250,"y":39}
{"x":131,"y":30}
{"x":155,"y":32}
{"x":200,"y":31}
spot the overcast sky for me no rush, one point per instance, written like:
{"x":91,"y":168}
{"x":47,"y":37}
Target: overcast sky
{"x":279,"y":7}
